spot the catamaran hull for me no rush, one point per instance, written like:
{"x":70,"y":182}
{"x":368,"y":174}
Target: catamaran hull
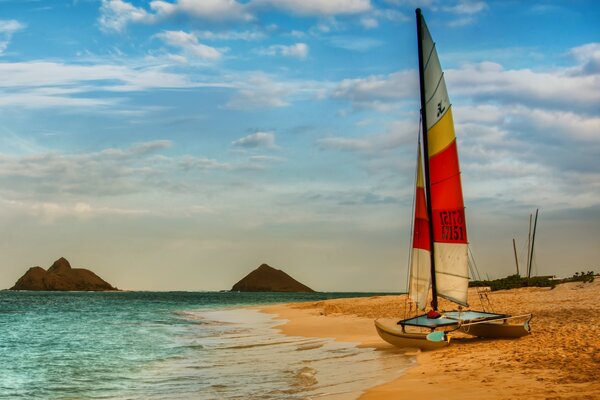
{"x":497,"y":330}
{"x":393,"y":334}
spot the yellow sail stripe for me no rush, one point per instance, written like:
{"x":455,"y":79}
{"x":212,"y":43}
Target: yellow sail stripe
{"x":441,"y":134}
{"x":420,"y":180}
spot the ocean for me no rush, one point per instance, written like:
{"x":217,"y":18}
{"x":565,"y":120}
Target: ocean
{"x":174,"y":345}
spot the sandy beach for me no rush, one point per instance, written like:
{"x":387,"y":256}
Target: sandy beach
{"x":559,"y":360}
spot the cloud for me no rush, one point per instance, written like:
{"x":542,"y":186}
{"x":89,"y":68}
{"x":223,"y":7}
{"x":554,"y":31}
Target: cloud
{"x":108,"y":172}
{"x":189,"y":43}
{"x":354,"y":43}
{"x":589,"y":57}
{"x":377,"y":91}
{"x":317,"y":7}
{"x":371,"y":20}
{"x":7,"y":29}
{"x":231,"y":35}
{"x":38,"y":84}
{"x":258,"y":139}
{"x":260,"y":91}
{"x":466,"y":10}
{"x":298,"y":50}
{"x":46,"y":73}
{"x":115,"y":15}
{"x":558,"y":89}
{"x":398,"y":134}
{"x":215,"y":10}
{"x":189,"y":163}
{"x":468,"y":7}
{"x":345,"y":144}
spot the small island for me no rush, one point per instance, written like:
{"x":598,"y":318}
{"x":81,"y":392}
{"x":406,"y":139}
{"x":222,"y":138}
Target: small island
{"x":61,"y":277}
{"x":269,"y":279}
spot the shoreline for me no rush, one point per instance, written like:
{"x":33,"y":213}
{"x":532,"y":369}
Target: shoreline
{"x":559,"y":360}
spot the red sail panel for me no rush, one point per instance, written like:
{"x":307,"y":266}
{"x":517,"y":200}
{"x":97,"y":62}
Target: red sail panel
{"x":421,"y":238}
{"x":421,"y":228}
{"x":446,"y":197}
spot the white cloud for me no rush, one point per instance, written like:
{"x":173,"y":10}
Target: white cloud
{"x":462,"y":21}
{"x":466,"y":11}
{"x":189,"y":43}
{"x":115,"y":15}
{"x":178,"y":58}
{"x":37,"y":84}
{"x":218,"y":10}
{"x":397,"y":134}
{"x":258,"y":139}
{"x":107,"y":172}
{"x":369,"y":22}
{"x":46,"y":73}
{"x":345,"y":144}
{"x":298,"y":50}
{"x":188,"y":163}
{"x":318,"y":7}
{"x":589,"y":57}
{"x":231,"y":35}
{"x":7,"y":29}
{"x":354,"y":43}
{"x":556,"y":89}
{"x":468,"y":7}
{"x":260,"y":91}
{"x":378,"y":91}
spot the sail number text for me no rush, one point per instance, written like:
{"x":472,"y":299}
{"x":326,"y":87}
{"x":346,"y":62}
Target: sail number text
{"x":452,"y":226}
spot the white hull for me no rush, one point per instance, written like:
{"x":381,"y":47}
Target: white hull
{"x":392,"y":333}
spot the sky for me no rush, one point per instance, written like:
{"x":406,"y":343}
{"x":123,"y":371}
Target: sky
{"x":179,"y":144}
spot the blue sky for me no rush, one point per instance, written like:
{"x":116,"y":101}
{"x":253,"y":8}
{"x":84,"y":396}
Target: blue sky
{"x":178,"y":144}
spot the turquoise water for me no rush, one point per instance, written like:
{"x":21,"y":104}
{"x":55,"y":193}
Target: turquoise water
{"x":171,"y":345}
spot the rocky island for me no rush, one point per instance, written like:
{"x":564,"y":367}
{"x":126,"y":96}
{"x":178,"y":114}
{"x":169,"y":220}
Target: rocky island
{"x":60,"y":276}
{"x":269,"y":279}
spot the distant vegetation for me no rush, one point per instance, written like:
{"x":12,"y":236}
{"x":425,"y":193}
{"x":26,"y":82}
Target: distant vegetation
{"x":517,"y":281}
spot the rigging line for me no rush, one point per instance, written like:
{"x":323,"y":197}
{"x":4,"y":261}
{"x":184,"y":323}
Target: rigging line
{"x":412,"y":222}
{"x":480,"y":293}
{"x":446,"y":178}
{"x":489,"y":302}
{"x":473,"y":274}
{"x":437,"y":86}
{"x":426,"y":64}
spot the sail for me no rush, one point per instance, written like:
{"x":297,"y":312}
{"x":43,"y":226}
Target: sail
{"x":420,"y":267}
{"x":448,"y":211}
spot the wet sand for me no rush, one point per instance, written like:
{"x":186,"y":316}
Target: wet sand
{"x":559,"y":360}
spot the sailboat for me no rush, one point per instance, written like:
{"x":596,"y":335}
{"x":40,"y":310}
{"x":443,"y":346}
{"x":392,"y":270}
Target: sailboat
{"x":440,"y":255}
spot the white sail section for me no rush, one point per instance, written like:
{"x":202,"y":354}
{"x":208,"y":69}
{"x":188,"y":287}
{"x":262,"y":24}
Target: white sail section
{"x":452,"y":281}
{"x":420,"y":277}
{"x":437,"y":102}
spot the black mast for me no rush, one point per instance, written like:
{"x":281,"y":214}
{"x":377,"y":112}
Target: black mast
{"x":434,"y":301}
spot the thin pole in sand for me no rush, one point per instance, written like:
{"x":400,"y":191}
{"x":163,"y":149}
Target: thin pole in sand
{"x":529,"y":247}
{"x":533,"y":241}
{"x":516,"y":259}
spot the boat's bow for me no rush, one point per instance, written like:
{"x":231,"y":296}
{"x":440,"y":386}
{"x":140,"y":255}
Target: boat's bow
{"x":391,"y":332}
